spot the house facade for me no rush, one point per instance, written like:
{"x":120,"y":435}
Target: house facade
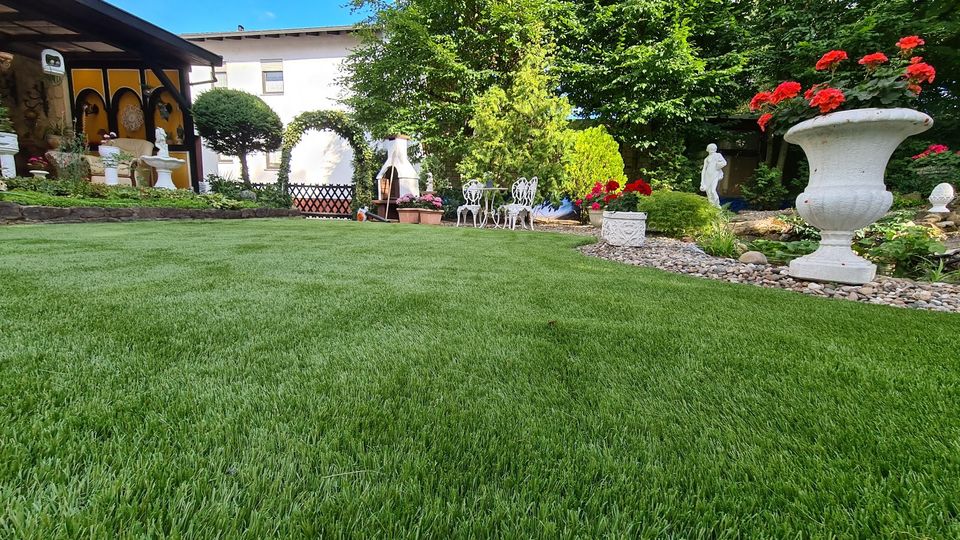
{"x":294,"y":71}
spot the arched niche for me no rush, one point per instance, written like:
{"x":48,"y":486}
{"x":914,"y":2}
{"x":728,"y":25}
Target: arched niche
{"x":92,"y":115}
{"x":127,"y":112}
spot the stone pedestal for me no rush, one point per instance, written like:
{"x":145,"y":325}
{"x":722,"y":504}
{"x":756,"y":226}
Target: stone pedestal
{"x":165,"y":167}
{"x":8,"y":149}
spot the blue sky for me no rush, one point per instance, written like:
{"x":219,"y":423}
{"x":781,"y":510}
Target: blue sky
{"x":187,"y":16}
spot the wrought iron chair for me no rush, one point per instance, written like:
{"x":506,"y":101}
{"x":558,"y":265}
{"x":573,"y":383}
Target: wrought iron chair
{"x":523,"y":192}
{"x":472,"y":193}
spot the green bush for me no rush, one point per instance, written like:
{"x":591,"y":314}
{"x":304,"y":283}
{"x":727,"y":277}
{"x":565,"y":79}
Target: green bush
{"x":592,"y":156}
{"x":236,"y":123}
{"x":718,"y":240}
{"x":676,"y":213}
{"x":269,"y":196}
{"x":764,"y":190}
{"x":906,"y":253}
{"x":35,"y":198}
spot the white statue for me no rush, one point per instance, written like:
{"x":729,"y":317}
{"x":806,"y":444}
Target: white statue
{"x":161,"y":142}
{"x":712,"y":173}
{"x":429,"y":182}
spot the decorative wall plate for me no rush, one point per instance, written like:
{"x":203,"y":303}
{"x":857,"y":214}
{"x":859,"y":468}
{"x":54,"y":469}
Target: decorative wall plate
{"x":131,"y":117}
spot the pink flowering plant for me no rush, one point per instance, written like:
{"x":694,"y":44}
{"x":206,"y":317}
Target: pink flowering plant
{"x":938,"y":162}
{"x":427,"y":202}
{"x":873,"y":80}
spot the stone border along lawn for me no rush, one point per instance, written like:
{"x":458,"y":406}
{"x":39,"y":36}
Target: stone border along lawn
{"x":687,"y":258}
{"x":13,"y":213}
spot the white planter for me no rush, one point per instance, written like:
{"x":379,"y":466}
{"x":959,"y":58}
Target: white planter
{"x":39,"y":173}
{"x":596,"y":217}
{"x":109,"y":155}
{"x":624,"y":228}
{"x":8,"y":149}
{"x":940,"y":197}
{"x":848,"y":152}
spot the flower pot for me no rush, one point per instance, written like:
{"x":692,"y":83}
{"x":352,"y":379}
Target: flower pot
{"x":940,"y":197}
{"x":109,"y":155}
{"x":8,"y":149}
{"x":38,"y":173}
{"x":596,"y":217}
{"x":848,"y":152}
{"x":430,"y":217}
{"x":627,"y":229}
{"x":409,"y":215}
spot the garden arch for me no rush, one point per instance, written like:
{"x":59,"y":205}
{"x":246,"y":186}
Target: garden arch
{"x":343,"y":125}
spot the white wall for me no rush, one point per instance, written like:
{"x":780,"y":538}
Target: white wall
{"x":312,"y":67}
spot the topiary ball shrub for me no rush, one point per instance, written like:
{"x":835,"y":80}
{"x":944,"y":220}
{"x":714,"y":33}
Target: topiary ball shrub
{"x":677,"y":214}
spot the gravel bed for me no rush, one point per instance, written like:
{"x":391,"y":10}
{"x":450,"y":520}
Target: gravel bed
{"x":686,"y":258}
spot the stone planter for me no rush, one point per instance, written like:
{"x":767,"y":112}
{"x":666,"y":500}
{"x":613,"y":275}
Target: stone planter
{"x":848,"y":152}
{"x":409,"y":215}
{"x":627,"y":229}
{"x":109,"y":155}
{"x":8,"y":149}
{"x":430,"y":217}
{"x":596,"y":217}
{"x":39,"y":173}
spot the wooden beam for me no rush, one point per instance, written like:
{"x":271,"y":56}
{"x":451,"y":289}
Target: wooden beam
{"x":37,"y":38}
{"x":172,"y":88}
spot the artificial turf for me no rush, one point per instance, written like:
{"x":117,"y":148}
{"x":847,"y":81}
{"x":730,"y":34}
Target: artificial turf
{"x":289,"y":378}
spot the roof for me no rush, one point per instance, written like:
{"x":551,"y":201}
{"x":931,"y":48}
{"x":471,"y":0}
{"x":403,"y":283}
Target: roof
{"x":259,"y":34}
{"x":93,"y":30}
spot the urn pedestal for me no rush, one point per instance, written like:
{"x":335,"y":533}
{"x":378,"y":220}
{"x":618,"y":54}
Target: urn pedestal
{"x":110,"y":163}
{"x":848,"y":152}
{"x":8,"y":149}
{"x":627,"y":229}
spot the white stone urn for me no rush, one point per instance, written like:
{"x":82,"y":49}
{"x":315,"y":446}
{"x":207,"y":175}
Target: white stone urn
{"x":8,"y":149}
{"x":596,"y":217}
{"x":628,"y":229}
{"x":940,"y":197}
{"x":848,"y":152}
{"x":110,"y":155}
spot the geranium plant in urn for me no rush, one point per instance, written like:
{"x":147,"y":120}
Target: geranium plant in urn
{"x":597,"y":199}
{"x":623,"y":224}
{"x":848,"y":124}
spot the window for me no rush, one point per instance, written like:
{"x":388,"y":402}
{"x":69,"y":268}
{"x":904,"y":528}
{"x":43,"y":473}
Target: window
{"x":272,"y":76}
{"x":273,"y":161}
{"x":224,"y":159}
{"x":221,"y":79}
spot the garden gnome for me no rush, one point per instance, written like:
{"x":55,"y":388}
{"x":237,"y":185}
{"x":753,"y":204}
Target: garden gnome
{"x":712,"y":173}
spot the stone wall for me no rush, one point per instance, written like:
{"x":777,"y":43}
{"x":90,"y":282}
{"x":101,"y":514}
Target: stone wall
{"x":14,"y":213}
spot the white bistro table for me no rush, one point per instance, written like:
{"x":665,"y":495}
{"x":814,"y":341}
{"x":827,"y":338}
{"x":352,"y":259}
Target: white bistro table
{"x":489,"y":212}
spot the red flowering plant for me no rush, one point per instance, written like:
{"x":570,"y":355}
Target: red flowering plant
{"x":628,"y":199}
{"x":873,"y":80}
{"x":937,"y":163}
{"x":599,"y":196}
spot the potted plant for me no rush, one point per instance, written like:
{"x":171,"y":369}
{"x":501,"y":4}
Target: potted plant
{"x":623,"y":225}
{"x":597,"y":199}
{"x":112,"y":157}
{"x":38,"y":166}
{"x":848,"y":125}
{"x":408,"y":208}
{"x":8,"y":144}
{"x":431,"y":209}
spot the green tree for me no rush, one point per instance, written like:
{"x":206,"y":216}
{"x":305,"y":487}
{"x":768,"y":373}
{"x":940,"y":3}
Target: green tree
{"x":236,"y":123}
{"x":592,"y":156}
{"x":521,"y":130}
{"x":422,"y":64}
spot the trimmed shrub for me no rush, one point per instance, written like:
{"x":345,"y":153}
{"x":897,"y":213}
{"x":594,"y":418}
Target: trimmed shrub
{"x":592,"y":156}
{"x":675,"y":213}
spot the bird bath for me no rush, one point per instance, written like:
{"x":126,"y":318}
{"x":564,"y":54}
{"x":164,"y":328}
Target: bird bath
{"x":162,"y":162}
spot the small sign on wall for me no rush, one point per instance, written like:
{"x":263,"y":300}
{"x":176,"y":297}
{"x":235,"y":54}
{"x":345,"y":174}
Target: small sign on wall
{"x":52,"y":62}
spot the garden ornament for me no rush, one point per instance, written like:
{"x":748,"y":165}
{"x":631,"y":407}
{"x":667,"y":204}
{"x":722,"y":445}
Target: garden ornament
{"x":712,"y":173}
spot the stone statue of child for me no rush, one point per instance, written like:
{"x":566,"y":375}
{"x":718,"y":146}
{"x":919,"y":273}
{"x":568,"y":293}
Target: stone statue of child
{"x":712,"y":173}
{"x":161,"y":142}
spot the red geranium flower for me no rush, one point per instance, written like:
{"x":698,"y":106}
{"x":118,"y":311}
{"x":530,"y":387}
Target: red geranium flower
{"x":827,"y":99}
{"x":595,"y":206}
{"x":918,"y":73}
{"x":759,"y":100}
{"x":763,"y":121}
{"x":786,"y":90}
{"x":612,"y":185}
{"x":915,"y":88}
{"x":610,"y":197}
{"x":831,"y":60}
{"x":873,"y":60}
{"x":808,"y":95}
{"x":916,"y":60}
{"x":638,"y":186}
{"x":909,"y":43}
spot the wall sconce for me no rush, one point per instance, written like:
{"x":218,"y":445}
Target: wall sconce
{"x":384,"y":188}
{"x":6,"y":61}
{"x":90,"y":109}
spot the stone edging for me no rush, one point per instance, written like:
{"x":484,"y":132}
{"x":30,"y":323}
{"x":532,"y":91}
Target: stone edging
{"x":11,"y":213}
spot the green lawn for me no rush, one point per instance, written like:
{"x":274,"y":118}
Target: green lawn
{"x":251,"y":379}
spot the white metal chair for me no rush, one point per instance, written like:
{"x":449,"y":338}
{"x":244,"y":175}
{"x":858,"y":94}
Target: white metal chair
{"x":523,"y":192}
{"x":472,"y":193}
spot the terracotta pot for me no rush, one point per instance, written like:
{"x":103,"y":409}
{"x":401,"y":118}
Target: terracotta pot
{"x":409,"y":215}
{"x":848,"y":152}
{"x":430,"y":217}
{"x":624,"y":228}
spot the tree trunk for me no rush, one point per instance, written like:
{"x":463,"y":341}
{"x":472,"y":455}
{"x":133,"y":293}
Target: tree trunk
{"x":782,"y":158}
{"x":244,"y":170}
